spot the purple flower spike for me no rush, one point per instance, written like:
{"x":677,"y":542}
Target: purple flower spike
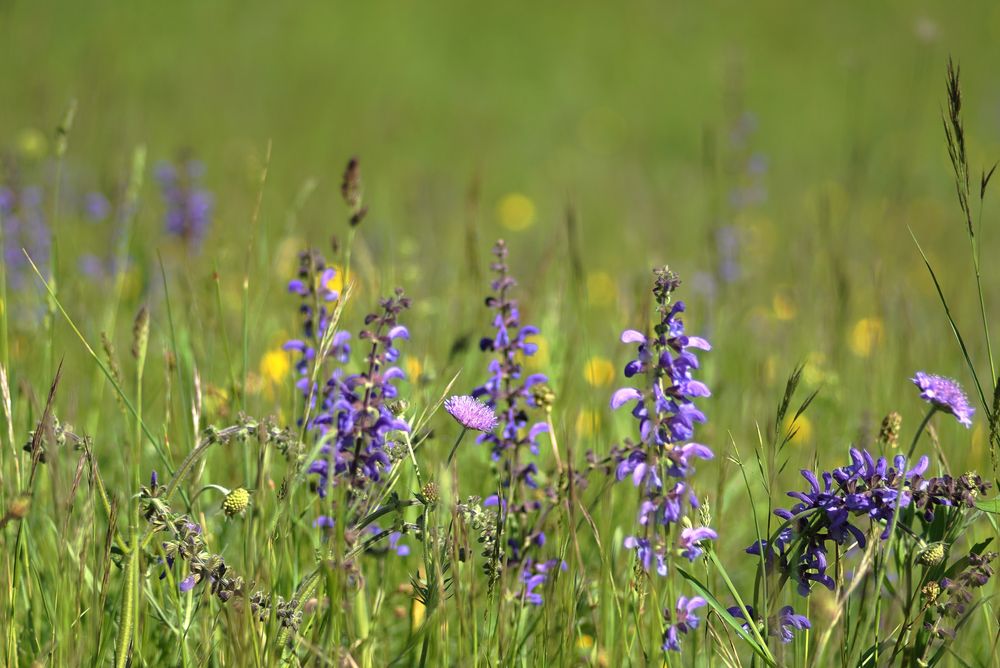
{"x":946,"y":395}
{"x":471,"y":413}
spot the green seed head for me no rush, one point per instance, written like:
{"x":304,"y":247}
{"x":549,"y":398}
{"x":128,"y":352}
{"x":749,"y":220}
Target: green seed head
{"x":932,"y":555}
{"x":931,"y":591}
{"x":236,"y":502}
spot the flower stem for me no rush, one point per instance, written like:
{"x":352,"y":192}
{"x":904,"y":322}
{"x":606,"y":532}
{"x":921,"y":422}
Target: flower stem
{"x":454,"y":448}
{"x":920,"y":430}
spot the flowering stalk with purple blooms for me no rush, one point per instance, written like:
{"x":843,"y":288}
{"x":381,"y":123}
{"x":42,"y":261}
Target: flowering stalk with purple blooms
{"x":347,"y":414}
{"x":189,"y":205}
{"x":661,"y":461}
{"x":511,"y":396}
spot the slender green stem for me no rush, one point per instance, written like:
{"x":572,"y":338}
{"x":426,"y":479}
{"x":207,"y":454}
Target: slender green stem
{"x":920,"y":430}
{"x":454,"y":448}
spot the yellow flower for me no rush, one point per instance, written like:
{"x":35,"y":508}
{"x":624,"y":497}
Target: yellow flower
{"x":598,"y":372}
{"x":336,"y":283}
{"x":802,"y":428}
{"x":587,"y":423}
{"x":585,"y":641}
{"x":866,"y":336}
{"x":413,"y":367}
{"x":783,"y":307}
{"x":540,"y":360}
{"x":516,"y":212}
{"x":32,"y":143}
{"x":814,"y":371}
{"x":601,"y":289}
{"x":274,"y":366}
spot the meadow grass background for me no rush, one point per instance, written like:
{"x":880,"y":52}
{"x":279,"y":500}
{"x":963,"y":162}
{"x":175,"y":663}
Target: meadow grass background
{"x":478,"y":121}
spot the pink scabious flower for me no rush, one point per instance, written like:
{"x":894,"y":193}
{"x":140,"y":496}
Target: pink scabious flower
{"x":946,"y":395}
{"x":471,"y":413}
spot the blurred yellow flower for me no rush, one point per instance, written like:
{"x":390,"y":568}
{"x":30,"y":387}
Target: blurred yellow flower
{"x":413,"y":368}
{"x":601,"y":289}
{"x":801,"y":426}
{"x":540,"y":360}
{"x":598,"y":372}
{"x":585,"y":641}
{"x":587,"y":423}
{"x":516,"y":211}
{"x":783,"y":307}
{"x":274,"y":366}
{"x":336,"y":283}
{"x":32,"y":144}
{"x":866,"y":336}
{"x":770,"y":369}
{"x":814,"y":370}
{"x":215,"y":402}
{"x":417,"y":614}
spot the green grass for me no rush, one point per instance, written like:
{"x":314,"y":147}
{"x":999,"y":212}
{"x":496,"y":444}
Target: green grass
{"x":621,"y":114}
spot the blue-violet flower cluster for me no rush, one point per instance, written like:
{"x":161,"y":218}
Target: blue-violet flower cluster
{"x":661,"y":462}
{"x":189,"y":205}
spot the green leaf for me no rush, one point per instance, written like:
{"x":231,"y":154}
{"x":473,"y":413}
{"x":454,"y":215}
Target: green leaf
{"x":731,"y":621}
{"x":989,"y":505}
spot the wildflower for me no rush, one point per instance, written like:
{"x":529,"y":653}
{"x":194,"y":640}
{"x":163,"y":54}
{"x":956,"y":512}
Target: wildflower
{"x":799,"y":429}
{"x":588,"y":422}
{"x":471,"y":413}
{"x":189,"y":206}
{"x":666,"y":414}
{"x":516,"y":212}
{"x":515,"y":401}
{"x":784,"y":308}
{"x":507,"y":390}
{"x":828,"y":511}
{"x":274,"y":366}
{"x":690,"y":541}
{"x":788,"y":620}
{"x":236,"y":502}
{"x":601,"y":289}
{"x":24,"y":227}
{"x":187,"y":584}
{"x":867,"y":335}
{"x":535,"y":575}
{"x":645,"y":552}
{"x":96,"y":207}
{"x":681,"y":621}
{"x":781,"y":625}
{"x":598,"y":372}
{"x":946,"y":395}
